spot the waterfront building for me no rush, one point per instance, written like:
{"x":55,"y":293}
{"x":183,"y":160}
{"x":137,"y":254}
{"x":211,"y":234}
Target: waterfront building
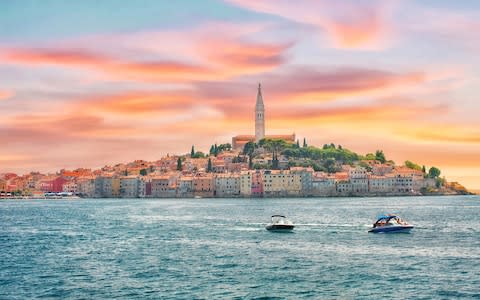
{"x":227,"y":185}
{"x":115,"y":187}
{"x":86,"y":186}
{"x":185,"y":186}
{"x":103,"y":186}
{"x":257,"y":184}
{"x":281,"y":183}
{"x":162,"y":188}
{"x":403,"y":183}
{"x":323,"y":184}
{"x":359,"y":180}
{"x":129,"y":186}
{"x":148,"y":188}
{"x":70,"y":187}
{"x":344,"y":187}
{"x":245,"y":184}
{"x":239,"y":141}
{"x":381,"y":184}
{"x":203,"y":185}
{"x":306,"y":175}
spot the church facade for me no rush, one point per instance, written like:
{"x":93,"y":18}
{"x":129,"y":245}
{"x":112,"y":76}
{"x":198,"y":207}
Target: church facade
{"x":239,"y":141}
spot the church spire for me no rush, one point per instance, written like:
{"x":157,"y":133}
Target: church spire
{"x":259,"y":103}
{"x":259,"y":116}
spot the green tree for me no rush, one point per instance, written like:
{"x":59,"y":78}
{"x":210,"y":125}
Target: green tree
{"x":209,"y":165}
{"x":412,"y":165}
{"x":298,"y":144}
{"x":424,"y":170}
{"x":380,"y":156}
{"x":179,"y":164}
{"x":192,"y":152}
{"x":143,"y":172}
{"x":215,"y":150}
{"x":249,"y":148}
{"x":275,"y":165}
{"x":330,"y":165}
{"x":304,"y":143}
{"x":434,"y":172}
{"x":224,"y":147}
{"x":212,"y":150}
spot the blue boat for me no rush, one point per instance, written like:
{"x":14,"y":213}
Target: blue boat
{"x":390,"y":224}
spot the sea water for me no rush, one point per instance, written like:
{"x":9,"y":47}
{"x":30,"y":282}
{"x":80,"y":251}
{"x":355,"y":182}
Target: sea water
{"x":219,"y":249}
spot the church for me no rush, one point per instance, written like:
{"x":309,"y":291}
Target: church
{"x":239,"y":141}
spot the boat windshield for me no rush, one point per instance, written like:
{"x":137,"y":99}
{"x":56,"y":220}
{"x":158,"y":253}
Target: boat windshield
{"x":278,"y":219}
{"x":389,"y":220}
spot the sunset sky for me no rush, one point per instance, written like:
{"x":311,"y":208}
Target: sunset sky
{"x":88,"y":83}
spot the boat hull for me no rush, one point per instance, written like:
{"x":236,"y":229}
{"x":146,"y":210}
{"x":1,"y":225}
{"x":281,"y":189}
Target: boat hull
{"x":279,"y":227}
{"x":392,"y":229}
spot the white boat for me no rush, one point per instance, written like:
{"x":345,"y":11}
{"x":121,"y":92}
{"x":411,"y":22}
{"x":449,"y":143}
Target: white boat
{"x":280,"y":223}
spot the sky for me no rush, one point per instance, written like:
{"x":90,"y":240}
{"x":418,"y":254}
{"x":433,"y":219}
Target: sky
{"x":92,"y":83}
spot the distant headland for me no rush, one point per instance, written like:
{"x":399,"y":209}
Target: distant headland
{"x":251,"y":166}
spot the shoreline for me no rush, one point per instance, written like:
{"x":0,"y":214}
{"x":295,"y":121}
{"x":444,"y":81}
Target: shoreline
{"x":240,"y":197}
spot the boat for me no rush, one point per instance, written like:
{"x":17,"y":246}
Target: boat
{"x":280,"y":223}
{"x":391,"y":224}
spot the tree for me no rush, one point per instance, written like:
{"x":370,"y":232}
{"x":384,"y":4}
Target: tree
{"x":412,"y":165}
{"x":340,"y":147}
{"x":179,"y":164}
{"x":380,"y":156}
{"x":330,"y":165}
{"x":224,"y":147}
{"x":304,"y":143}
{"x":143,"y":172}
{"x":424,"y":170}
{"x":192,"y":152}
{"x":212,"y":150}
{"x":126,"y":172}
{"x":275,"y":161}
{"x":298,"y":143}
{"x":248,"y":148}
{"x":434,"y":172}
{"x":209,"y":165}
{"x":215,"y":150}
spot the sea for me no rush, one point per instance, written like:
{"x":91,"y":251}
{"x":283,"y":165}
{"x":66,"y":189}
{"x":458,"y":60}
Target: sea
{"x":219,"y":249}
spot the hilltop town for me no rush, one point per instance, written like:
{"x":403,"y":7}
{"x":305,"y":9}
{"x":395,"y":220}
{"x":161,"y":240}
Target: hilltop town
{"x":251,"y":166}
{"x":258,"y":171}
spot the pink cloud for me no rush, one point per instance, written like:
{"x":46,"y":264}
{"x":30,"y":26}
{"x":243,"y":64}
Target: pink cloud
{"x":348,"y":24}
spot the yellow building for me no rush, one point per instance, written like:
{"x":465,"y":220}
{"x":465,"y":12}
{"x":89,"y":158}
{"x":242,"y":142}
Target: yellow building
{"x":281,"y":183}
{"x":115,"y":187}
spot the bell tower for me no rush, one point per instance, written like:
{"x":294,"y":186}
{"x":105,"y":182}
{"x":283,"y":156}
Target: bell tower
{"x":259,"y":116}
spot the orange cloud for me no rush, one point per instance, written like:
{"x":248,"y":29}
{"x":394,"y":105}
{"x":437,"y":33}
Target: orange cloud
{"x":6,"y":94}
{"x":440,"y":133}
{"x":138,"y":103}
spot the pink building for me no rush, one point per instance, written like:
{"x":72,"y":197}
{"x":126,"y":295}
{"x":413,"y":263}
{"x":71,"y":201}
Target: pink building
{"x":257,"y":184}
